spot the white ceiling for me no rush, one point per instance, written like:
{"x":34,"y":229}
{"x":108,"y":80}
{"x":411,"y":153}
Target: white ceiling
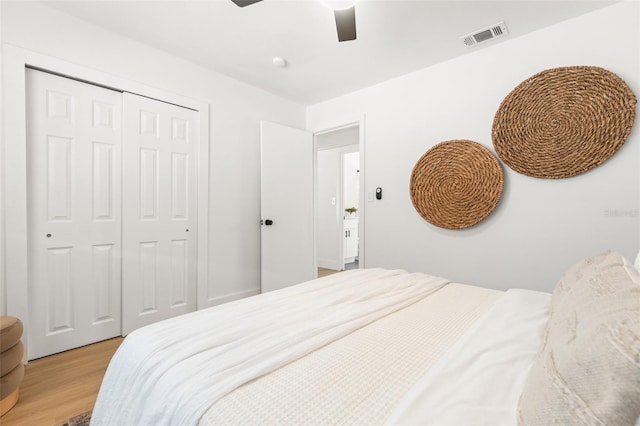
{"x":395,"y":37}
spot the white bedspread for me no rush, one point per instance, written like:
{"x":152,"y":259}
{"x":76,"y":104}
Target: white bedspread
{"x":360,"y":378}
{"x":480,"y":379}
{"x":171,"y":372}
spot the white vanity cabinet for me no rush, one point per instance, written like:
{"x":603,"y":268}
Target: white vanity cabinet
{"x":350,"y":239}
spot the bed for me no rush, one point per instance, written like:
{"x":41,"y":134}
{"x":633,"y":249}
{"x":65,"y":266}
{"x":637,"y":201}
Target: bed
{"x":378,"y":346}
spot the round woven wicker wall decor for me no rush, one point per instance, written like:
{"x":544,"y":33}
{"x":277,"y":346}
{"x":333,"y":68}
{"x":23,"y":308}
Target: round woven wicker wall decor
{"x":563,"y":121}
{"x":456,"y":184}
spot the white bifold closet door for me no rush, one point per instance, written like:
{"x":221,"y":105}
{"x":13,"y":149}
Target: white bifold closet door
{"x":74,"y":213}
{"x":159,"y":212}
{"x":112,"y":230}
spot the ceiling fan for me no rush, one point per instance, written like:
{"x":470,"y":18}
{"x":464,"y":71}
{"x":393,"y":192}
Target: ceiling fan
{"x":345,"y":19}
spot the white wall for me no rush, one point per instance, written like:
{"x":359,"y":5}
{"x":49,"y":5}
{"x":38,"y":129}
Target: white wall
{"x":540,"y":226}
{"x":3,"y":300}
{"x":340,"y":137}
{"x":235,"y":113}
{"x":328,"y":218}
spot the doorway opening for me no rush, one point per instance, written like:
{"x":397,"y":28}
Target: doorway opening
{"x":339,"y":201}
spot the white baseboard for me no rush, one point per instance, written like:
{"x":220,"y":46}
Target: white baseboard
{"x":329,"y":264}
{"x":218,"y":300}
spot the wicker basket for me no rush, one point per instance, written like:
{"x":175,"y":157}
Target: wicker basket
{"x":563,"y":121}
{"x":456,"y":184}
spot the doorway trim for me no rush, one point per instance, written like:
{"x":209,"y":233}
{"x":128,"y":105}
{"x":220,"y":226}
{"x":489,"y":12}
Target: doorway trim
{"x":362,"y":182}
{"x":14,"y":280}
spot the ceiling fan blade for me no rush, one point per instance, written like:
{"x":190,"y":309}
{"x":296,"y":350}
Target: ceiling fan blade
{"x":243,"y":3}
{"x":346,"y":23}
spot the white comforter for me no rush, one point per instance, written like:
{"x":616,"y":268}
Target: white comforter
{"x":171,"y":372}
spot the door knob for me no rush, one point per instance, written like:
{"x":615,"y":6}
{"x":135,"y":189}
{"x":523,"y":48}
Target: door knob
{"x":268,"y":222}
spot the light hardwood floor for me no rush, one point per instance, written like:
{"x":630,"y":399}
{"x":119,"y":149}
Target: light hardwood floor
{"x":323,"y":272}
{"x":61,"y":386}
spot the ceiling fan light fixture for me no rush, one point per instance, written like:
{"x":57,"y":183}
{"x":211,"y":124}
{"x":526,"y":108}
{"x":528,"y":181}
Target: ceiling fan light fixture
{"x":244,"y":3}
{"x":338,"y":4}
{"x":344,"y":12}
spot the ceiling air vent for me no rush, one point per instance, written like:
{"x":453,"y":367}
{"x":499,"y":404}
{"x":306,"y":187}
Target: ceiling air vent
{"x":485,"y":34}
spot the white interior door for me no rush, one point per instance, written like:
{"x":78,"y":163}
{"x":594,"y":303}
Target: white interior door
{"x":74,"y":219}
{"x":287,"y":243}
{"x":159,"y":211}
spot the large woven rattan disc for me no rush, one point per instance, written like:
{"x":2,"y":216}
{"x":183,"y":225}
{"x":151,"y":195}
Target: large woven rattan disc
{"x":564,"y":121}
{"x":456,"y":184}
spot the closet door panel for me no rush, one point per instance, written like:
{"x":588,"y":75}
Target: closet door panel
{"x":159,"y":211}
{"x":74,"y":240}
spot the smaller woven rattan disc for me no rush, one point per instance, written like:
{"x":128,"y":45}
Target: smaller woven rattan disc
{"x":563,"y":121}
{"x":456,"y":184}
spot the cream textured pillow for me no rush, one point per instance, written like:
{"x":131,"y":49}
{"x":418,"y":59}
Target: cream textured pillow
{"x":588,"y":369}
